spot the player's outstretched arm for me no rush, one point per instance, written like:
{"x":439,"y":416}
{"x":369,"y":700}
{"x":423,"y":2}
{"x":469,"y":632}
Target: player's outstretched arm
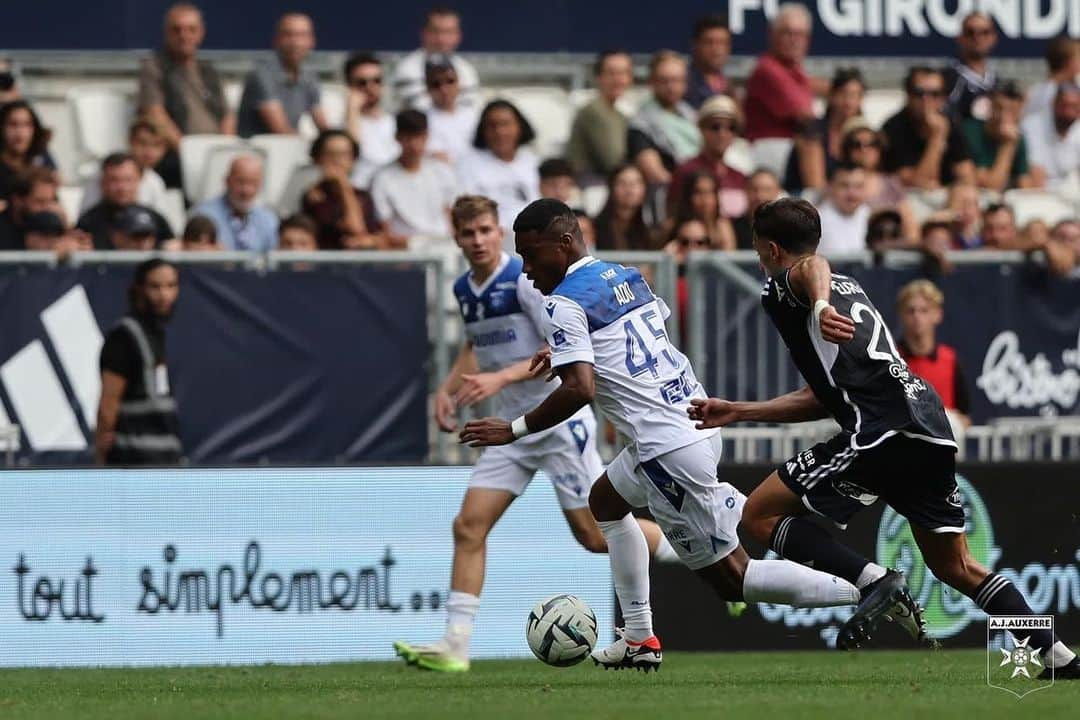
{"x":576,"y":391}
{"x":475,"y":387}
{"x":445,"y":404}
{"x":798,"y":406}
{"x":811,"y":281}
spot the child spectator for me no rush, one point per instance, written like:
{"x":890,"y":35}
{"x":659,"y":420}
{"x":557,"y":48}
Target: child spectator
{"x":200,"y":235}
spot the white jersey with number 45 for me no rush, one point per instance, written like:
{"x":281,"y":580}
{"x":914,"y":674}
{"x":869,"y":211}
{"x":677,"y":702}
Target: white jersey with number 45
{"x":606,"y":315}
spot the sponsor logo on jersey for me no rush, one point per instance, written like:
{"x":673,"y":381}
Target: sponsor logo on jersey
{"x":506,"y":285}
{"x":608,"y":274}
{"x":495,"y":337}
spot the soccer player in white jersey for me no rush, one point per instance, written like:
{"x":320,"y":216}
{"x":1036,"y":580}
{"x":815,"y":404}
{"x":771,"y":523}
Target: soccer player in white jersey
{"x":504,"y":329}
{"x":605,"y":329}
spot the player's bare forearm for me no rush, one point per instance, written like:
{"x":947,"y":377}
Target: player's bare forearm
{"x":520,"y":371}
{"x":465,"y":362}
{"x":576,"y":391}
{"x":798,"y":406}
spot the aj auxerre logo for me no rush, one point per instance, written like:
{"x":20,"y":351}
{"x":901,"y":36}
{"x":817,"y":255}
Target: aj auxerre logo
{"x":1017,"y":666}
{"x":39,"y":399}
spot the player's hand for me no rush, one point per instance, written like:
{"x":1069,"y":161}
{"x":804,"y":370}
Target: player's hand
{"x":478,"y":386}
{"x":541,"y":363}
{"x":486,"y":431}
{"x":445,"y":411}
{"x":712,"y":413}
{"x":836,"y":328}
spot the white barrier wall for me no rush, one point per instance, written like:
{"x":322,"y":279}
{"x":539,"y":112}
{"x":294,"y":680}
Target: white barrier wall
{"x":174,"y":567}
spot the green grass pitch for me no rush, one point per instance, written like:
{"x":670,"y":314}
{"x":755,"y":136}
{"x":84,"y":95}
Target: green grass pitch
{"x":764,"y":686}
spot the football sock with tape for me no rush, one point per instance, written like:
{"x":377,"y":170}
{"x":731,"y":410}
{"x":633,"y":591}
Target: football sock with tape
{"x":787,"y":583}
{"x":628,"y":553}
{"x":664,"y":552}
{"x":461,"y":610}
{"x":997,"y":596}
{"x":798,"y":539}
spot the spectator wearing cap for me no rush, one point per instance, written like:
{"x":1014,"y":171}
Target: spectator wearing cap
{"x":1063,"y":65}
{"x":865,"y":147}
{"x":440,"y":35}
{"x":761,"y":187}
{"x":200,"y":235}
{"x":557,"y":181}
{"x":34,"y":191}
{"x":818,"y":145}
{"x":997,"y":146}
{"x":710,"y":50}
{"x":779,"y":92}
{"x":278,"y":92}
{"x":119,"y":191}
{"x":413,"y":194}
{"x":134,"y":228}
{"x":664,"y":133}
{"x":1053,"y":140}
{"x":920,"y":305}
{"x":179,"y":92}
{"x":147,"y":145}
{"x":845,"y":215}
{"x":451,"y":123}
{"x":500,"y":166}
{"x":925,"y":149}
{"x":243,"y":223}
{"x":298,"y":233}
{"x":24,"y":143}
{"x":718,"y":121}
{"x":969,"y":79}
{"x":365,"y":119}
{"x":597,"y":143}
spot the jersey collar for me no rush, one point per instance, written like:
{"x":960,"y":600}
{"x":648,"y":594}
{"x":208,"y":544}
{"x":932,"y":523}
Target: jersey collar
{"x":479,"y":290}
{"x":579,"y":264}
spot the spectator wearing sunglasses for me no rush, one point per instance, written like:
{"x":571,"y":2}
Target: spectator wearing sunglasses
{"x":925,"y":149}
{"x":441,"y":35}
{"x":451,"y":124}
{"x":718,"y":121}
{"x":371,"y":126}
{"x":969,"y":80}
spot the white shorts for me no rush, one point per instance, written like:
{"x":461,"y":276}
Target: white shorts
{"x":698,"y":514}
{"x":567,"y":454}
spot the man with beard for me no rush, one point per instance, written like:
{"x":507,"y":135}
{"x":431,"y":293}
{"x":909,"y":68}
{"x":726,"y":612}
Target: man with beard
{"x":969,"y":80}
{"x":137,"y":421}
{"x":242,"y":222}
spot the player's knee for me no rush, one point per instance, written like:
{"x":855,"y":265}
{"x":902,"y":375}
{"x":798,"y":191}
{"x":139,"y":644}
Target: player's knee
{"x":469,"y":531}
{"x":756,"y":522}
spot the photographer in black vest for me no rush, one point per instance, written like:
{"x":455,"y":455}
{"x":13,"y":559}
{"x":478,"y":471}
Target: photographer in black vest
{"x":137,"y":422}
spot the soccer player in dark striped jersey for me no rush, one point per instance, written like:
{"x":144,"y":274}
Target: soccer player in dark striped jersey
{"x":895,"y":441}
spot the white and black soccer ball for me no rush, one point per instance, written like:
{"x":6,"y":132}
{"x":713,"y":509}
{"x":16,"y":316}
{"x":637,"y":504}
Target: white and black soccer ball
{"x":561,"y":630}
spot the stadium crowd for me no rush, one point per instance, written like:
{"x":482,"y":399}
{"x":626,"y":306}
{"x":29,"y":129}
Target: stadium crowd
{"x":416,"y":135}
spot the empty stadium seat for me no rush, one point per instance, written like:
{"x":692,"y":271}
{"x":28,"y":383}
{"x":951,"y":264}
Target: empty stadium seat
{"x":334,"y":102}
{"x":549,"y":112}
{"x":101,"y":116}
{"x":302,"y":178}
{"x":1029,"y":205}
{"x":771,"y":154}
{"x":283,"y":153}
{"x":593,"y":199}
{"x":172,"y":209}
{"x":740,"y":156}
{"x":879,"y":105}
{"x":70,"y":197}
{"x":194,"y":151}
{"x":217,"y":167}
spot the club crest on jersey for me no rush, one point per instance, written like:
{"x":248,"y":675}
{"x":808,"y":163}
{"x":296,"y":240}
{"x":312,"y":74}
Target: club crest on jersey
{"x":580,"y":433}
{"x":558,"y":337}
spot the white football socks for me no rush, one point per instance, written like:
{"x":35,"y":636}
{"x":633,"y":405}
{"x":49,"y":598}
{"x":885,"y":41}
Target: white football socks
{"x":1059,"y":656}
{"x":461,"y":610}
{"x":628,"y":554}
{"x":787,"y":583}
{"x":664,"y":552}
{"x":869,"y":574}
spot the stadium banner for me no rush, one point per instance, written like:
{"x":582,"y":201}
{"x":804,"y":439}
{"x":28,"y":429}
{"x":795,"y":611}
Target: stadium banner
{"x":1015,"y":328}
{"x":1022,"y":523}
{"x":868,"y":28}
{"x":178,"y":567}
{"x":299,"y":365}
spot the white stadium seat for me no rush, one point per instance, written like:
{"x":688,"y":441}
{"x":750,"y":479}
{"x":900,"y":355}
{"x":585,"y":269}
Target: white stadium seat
{"x":70,"y":197}
{"x":283,"y":153}
{"x":771,"y":154}
{"x":879,"y":105}
{"x":102,"y":116}
{"x":739,"y":156}
{"x":549,"y":112}
{"x":194,"y":151}
{"x":334,"y":102}
{"x":593,"y":199}
{"x":217,"y":167}
{"x":172,"y":209}
{"x":1029,"y":205}
{"x":302,"y":178}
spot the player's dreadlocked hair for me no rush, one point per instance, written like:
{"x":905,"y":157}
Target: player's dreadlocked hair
{"x":548,"y":216}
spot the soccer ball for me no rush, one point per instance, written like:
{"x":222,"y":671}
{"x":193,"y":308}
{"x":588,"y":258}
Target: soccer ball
{"x":561,"y":630}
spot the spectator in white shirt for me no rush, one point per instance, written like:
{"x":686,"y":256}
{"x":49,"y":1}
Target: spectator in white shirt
{"x":1053,"y":139}
{"x":845,"y":213}
{"x":441,"y":34}
{"x":413,"y":195}
{"x":451,"y":124}
{"x":148,"y":146}
{"x":365,"y":119}
{"x":499,"y":166}
{"x":1063,"y":63}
